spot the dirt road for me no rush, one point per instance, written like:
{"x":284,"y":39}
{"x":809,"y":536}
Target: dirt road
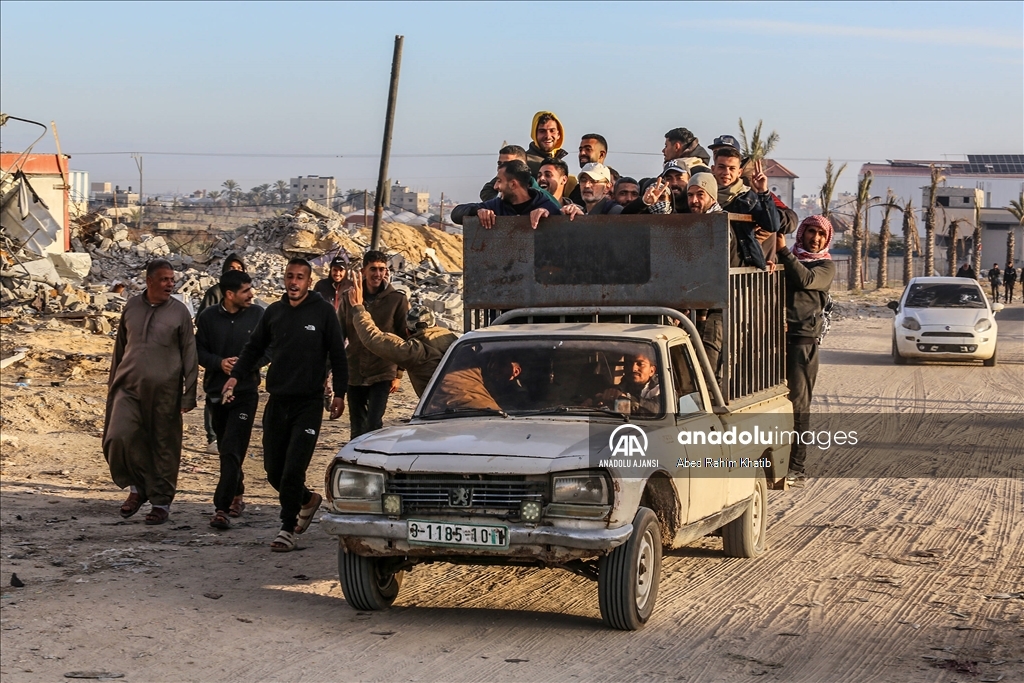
{"x":866,"y":579}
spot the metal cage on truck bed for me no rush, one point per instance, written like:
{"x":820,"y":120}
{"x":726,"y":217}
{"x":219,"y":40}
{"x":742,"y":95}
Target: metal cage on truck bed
{"x":678,"y":261}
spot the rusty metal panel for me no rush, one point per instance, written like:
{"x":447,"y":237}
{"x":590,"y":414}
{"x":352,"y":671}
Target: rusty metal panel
{"x":678,"y":261}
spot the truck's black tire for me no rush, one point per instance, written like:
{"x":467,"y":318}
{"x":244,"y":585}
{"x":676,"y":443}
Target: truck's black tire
{"x":365,"y":585}
{"x":991,"y":362}
{"x":628,"y":577}
{"x":897,"y":358}
{"x":744,"y":536}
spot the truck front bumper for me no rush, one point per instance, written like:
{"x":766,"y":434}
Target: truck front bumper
{"x":374,"y":535}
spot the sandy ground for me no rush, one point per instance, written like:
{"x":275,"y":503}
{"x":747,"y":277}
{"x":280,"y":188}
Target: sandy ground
{"x":871,"y":579}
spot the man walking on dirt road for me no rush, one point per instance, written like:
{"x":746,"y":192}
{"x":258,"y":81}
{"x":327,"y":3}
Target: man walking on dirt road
{"x":153,"y":375}
{"x":301,"y":331}
{"x":221,"y":333}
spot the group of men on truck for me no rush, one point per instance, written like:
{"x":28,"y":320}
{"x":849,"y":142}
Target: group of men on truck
{"x":354,"y":334}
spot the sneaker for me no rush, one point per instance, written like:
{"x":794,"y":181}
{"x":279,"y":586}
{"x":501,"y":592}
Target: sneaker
{"x":212,"y":448}
{"x":796,"y":480}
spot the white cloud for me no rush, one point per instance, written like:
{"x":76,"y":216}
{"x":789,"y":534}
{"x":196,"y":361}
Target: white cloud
{"x":931,"y":36}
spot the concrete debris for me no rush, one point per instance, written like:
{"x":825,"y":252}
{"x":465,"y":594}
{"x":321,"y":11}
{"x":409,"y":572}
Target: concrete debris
{"x":90,"y":285}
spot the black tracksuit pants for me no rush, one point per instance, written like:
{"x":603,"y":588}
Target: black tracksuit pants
{"x":801,"y":372}
{"x":291,"y":427}
{"x":232,"y":425}
{"x":366,"y":406}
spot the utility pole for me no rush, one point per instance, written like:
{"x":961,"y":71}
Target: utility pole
{"x":385,"y":153}
{"x":366,"y":206}
{"x":441,"y":222}
{"x":138,"y":162}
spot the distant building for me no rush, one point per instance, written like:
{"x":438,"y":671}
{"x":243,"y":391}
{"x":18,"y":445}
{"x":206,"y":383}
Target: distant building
{"x":320,"y":189}
{"x":995,"y":225}
{"x":781,"y":181}
{"x":404,"y":199}
{"x":103,"y":196}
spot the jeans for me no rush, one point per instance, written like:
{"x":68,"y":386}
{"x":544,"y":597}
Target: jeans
{"x":366,"y":407}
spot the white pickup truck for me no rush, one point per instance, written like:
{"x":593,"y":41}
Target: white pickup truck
{"x":564,"y":440}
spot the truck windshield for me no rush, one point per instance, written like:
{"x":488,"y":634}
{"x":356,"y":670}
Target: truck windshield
{"x":532,"y":376}
{"x":945,"y":295}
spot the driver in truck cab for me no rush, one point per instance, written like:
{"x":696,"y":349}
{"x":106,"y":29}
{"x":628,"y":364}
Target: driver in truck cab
{"x":639,"y":385}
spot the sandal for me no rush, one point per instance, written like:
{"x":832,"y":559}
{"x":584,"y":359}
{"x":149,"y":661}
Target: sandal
{"x":237,"y":507}
{"x":220,"y":520}
{"x":284,"y":543}
{"x":157,"y":516}
{"x":130,"y":506}
{"x":307,"y":511}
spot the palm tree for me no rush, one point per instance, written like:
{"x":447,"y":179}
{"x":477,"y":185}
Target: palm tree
{"x":754,"y":147}
{"x":910,"y":241}
{"x":929,"y":221}
{"x":232,"y":190}
{"x":282,"y":191}
{"x":214,"y":195}
{"x":861,"y":205}
{"x":1016,"y":209}
{"x":828,"y":188}
{"x":884,"y":234}
{"x":976,"y":239}
{"x":951,"y":251}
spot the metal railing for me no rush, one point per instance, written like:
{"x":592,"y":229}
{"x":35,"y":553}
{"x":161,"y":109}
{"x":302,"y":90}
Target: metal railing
{"x":754,"y":347}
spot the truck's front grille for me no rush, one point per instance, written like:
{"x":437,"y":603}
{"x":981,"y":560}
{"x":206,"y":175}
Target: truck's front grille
{"x":440,"y":492}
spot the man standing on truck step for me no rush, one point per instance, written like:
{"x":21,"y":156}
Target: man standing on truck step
{"x":302,"y":333}
{"x":371,"y":379}
{"x":809,"y":273}
{"x":153,"y":373}
{"x":517,"y":198}
{"x":221,"y":333}
{"x":420,"y":354}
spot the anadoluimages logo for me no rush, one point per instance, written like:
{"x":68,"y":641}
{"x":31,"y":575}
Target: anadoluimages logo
{"x":628,"y":446}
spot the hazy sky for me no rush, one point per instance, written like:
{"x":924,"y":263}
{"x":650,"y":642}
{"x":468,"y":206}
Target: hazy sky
{"x":302,"y":88}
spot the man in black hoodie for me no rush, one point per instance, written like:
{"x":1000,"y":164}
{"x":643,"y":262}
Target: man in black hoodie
{"x":221,"y":334}
{"x":301,"y":332}
{"x":214,"y":296}
{"x":734,"y":197}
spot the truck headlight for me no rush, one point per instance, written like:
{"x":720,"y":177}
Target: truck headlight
{"x":588,"y":488}
{"x":352,"y":484}
{"x":911,"y":324}
{"x":983,"y":325}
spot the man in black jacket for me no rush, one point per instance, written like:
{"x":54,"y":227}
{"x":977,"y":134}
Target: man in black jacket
{"x":1009,"y":279}
{"x":809,"y":274}
{"x":516,"y":198}
{"x":221,"y":333}
{"x":333,"y":287}
{"x":302,"y":332}
{"x":735,"y":197}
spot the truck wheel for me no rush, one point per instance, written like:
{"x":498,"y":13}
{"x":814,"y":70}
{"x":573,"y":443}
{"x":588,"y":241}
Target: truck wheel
{"x":744,"y":536}
{"x":990,"y":362}
{"x":627,"y":578}
{"x":365,"y":585}
{"x":896,"y":357}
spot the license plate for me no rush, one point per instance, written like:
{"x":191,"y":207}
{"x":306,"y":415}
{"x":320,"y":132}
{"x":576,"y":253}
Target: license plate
{"x":443,"y":533}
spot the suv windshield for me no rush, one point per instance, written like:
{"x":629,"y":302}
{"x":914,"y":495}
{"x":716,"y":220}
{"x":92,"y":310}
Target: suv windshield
{"x":945,"y":295}
{"x":532,"y":376}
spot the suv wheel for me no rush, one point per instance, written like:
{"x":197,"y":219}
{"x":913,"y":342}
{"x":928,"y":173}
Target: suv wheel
{"x":627,"y":578}
{"x":364,"y":581}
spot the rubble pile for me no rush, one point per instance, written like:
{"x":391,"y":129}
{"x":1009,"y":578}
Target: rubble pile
{"x":91,"y":284}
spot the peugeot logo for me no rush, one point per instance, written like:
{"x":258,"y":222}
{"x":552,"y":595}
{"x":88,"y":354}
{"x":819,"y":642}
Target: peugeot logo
{"x":460,"y":496}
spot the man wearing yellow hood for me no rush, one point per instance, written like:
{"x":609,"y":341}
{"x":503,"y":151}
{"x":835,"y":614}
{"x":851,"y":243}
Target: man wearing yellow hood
{"x":547,"y":136}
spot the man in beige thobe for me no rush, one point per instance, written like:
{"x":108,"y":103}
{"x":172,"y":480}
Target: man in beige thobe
{"x":153,"y":376}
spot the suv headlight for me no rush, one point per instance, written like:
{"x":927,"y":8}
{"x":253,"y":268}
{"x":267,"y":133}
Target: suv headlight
{"x":983,"y":325}
{"x":587,"y":488}
{"x":354,"y":484}
{"x":911,"y":324}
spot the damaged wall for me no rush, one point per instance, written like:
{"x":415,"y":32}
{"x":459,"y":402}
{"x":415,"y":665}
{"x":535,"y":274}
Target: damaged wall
{"x":41,"y":226}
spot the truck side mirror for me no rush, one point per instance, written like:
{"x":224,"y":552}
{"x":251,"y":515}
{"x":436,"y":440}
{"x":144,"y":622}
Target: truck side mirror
{"x":894,"y":305}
